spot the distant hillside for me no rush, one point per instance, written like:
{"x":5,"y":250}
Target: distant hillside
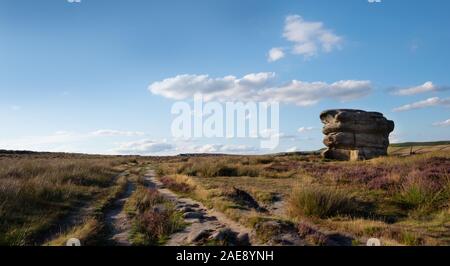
{"x":18,"y":152}
{"x":409,"y":144}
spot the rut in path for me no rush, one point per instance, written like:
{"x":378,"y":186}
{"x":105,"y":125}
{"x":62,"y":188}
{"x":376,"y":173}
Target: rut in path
{"x":203,"y":223}
{"x":74,"y":218}
{"x":117,"y":221}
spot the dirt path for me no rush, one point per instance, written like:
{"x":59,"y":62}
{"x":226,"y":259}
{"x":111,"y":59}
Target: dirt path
{"x":117,"y":221}
{"x":203,"y":224}
{"x":75,"y":217}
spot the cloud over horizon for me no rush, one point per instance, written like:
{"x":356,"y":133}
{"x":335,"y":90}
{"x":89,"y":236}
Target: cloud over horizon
{"x":445,"y":123}
{"x":259,"y":87}
{"x":305,"y":129}
{"x":223,"y":148}
{"x":115,"y":133}
{"x":144,"y":147}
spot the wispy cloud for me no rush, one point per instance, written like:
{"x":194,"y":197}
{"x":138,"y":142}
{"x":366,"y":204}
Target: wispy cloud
{"x":111,"y":133}
{"x":430,"y":102}
{"x":58,"y":140}
{"x":259,"y":87}
{"x":445,"y":123}
{"x":43,"y":142}
{"x":225,"y":148}
{"x":426,"y":87}
{"x":144,"y":147}
{"x":292,"y":149}
{"x":305,"y":129}
{"x":309,"y":38}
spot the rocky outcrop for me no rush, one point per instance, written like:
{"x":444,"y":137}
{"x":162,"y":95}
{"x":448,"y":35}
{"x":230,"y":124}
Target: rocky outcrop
{"x":355,"y":134}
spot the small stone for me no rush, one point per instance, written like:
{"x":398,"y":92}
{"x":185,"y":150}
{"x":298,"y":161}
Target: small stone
{"x":192,"y":221}
{"x":193,"y":215}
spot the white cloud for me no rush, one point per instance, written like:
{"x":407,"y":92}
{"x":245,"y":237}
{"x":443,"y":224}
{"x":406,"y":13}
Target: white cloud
{"x":284,"y":136}
{"x":185,"y":86}
{"x":292,"y":149}
{"x":60,"y":140}
{"x":110,"y":133}
{"x":430,"y":102}
{"x":259,"y":87}
{"x":309,"y":38}
{"x":43,"y":142}
{"x":220,"y":148}
{"x":144,"y":147}
{"x":238,"y":149}
{"x":395,"y":137}
{"x":305,"y":129}
{"x":426,"y":87}
{"x":207,"y":148}
{"x":445,"y":123}
{"x":275,"y":54}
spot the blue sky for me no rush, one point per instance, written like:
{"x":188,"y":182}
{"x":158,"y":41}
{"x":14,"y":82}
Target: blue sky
{"x":77,"y":77}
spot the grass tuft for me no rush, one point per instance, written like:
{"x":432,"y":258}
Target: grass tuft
{"x":322,"y":202}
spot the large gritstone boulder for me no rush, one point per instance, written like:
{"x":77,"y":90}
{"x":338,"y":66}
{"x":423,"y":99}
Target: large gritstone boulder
{"x":355,"y":134}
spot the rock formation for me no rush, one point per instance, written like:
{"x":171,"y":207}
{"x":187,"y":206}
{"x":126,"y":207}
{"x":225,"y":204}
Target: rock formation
{"x":355,"y":134}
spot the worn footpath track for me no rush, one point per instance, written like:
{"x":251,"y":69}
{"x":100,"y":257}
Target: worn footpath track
{"x":117,"y":221}
{"x":203,"y":224}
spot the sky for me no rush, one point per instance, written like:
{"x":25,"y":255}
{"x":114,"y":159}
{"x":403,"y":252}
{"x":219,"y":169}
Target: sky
{"x":101,"y":76}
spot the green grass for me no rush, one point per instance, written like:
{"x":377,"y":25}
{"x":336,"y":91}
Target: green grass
{"x":322,"y":202}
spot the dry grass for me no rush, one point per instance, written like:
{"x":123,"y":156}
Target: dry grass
{"x":176,"y":185}
{"x":404,"y":200}
{"x":38,"y":191}
{"x":93,"y":230}
{"x":406,"y":197}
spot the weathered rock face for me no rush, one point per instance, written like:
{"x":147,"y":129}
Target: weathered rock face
{"x":355,"y":134}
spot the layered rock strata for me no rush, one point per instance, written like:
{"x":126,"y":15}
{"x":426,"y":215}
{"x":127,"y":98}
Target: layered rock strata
{"x":355,"y":134}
